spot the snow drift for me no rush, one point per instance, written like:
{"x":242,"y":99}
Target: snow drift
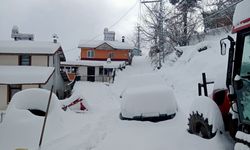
{"x":21,"y":128}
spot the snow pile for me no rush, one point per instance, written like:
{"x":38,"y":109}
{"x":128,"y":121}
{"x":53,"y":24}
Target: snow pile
{"x":28,"y":47}
{"x":141,"y":80}
{"x":186,"y":72}
{"x":210,"y":110}
{"x":95,"y":43}
{"x":21,"y":128}
{"x":240,"y":146}
{"x":243,"y":136}
{"x":20,"y":75}
{"x":241,"y":12}
{"x":105,"y":64}
{"x":148,"y":101}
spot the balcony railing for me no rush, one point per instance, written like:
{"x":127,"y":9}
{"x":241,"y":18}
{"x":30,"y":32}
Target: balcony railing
{"x":94,"y":78}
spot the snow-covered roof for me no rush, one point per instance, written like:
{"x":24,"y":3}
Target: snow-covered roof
{"x":105,"y":64}
{"x":25,"y":74}
{"x":241,"y":18}
{"x":28,"y":47}
{"x":114,"y":44}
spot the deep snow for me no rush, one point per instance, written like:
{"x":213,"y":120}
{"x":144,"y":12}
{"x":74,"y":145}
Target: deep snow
{"x":101,"y":129}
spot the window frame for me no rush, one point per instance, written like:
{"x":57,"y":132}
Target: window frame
{"x":21,"y":58}
{"x":111,"y":55}
{"x":90,"y":53}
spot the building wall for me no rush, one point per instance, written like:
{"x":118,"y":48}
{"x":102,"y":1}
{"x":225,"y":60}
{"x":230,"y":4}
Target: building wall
{"x":9,"y":59}
{"x":29,"y":86}
{"x":3,"y":96}
{"x":51,"y":61}
{"x":82,"y":71}
{"x":58,"y":80}
{"x":71,"y":76}
{"x":104,"y":54}
{"x":37,"y":60}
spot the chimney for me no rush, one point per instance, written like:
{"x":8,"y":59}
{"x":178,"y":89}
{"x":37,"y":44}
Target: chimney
{"x":55,"y":37}
{"x":109,"y":35}
{"x":123,"y":38}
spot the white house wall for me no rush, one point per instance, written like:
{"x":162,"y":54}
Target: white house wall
{"x":82,"y":71}
{"x":51,"y":61}
{"x":39,"y":60}
{"x":49,"y":84}
{"x":9,"y":60}
{"x":58,"y":80}
{"x":97,"y":77}
{"x":3,"y":96}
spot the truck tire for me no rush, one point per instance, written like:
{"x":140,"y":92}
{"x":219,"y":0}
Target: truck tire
{"x":199,"y":125}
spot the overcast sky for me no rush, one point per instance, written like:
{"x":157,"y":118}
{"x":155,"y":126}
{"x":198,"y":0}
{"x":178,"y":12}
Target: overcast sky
{"x":71,"y":20}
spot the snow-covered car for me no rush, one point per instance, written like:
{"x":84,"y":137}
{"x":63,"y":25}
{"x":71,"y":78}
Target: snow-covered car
{"x":141,"y":80}
{"x":148,"y":103}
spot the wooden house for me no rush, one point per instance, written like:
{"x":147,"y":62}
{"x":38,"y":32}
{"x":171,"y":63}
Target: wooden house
{"x":102,"y":50}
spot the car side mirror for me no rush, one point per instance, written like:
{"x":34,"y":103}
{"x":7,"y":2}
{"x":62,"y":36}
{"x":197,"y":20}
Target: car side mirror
{"x":223,"y":47}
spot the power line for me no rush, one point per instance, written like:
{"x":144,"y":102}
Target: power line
{"x":124,"y":15}
{"x":114,"y":24}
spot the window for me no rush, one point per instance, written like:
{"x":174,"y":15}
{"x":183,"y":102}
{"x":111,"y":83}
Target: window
{"x":243,"y":94}
{"x":111,"y":55}
{"x":101,"y":71}
{"x":245,"y":65}
{"x":25,"y":60}
{"x":68,"y":69}
{"x":13,"y":89}
{"x":90,"y":54}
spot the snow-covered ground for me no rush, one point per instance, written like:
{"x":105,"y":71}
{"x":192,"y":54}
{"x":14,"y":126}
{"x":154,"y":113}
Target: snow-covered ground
{"x":101,"y":129}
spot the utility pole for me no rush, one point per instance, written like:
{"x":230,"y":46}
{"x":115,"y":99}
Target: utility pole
{"x":160,"y":29}
{"x":161,"y":37}
{"x":138,"y":38}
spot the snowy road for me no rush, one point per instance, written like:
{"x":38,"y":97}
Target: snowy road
{"x":101,"y":128}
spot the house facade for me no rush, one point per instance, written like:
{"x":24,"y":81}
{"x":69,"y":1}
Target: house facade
{"x":29,"y":64}
{"x":94,"y":71}
{"x":101,"y":50}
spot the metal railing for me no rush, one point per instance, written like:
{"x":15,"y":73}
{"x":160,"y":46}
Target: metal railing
{"x":100,"y":78}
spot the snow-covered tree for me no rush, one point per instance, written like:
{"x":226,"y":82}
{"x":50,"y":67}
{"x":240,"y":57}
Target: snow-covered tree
{"x":219,"y":13}
{"x":185,"y":8}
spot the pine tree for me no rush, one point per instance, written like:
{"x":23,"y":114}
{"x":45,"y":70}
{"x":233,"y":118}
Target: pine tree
{"x":185,"y":7}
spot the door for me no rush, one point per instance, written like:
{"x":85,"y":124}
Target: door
{"x":13,"y":89}
{"x":91,"y":74}
{"x":243,"y":92}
